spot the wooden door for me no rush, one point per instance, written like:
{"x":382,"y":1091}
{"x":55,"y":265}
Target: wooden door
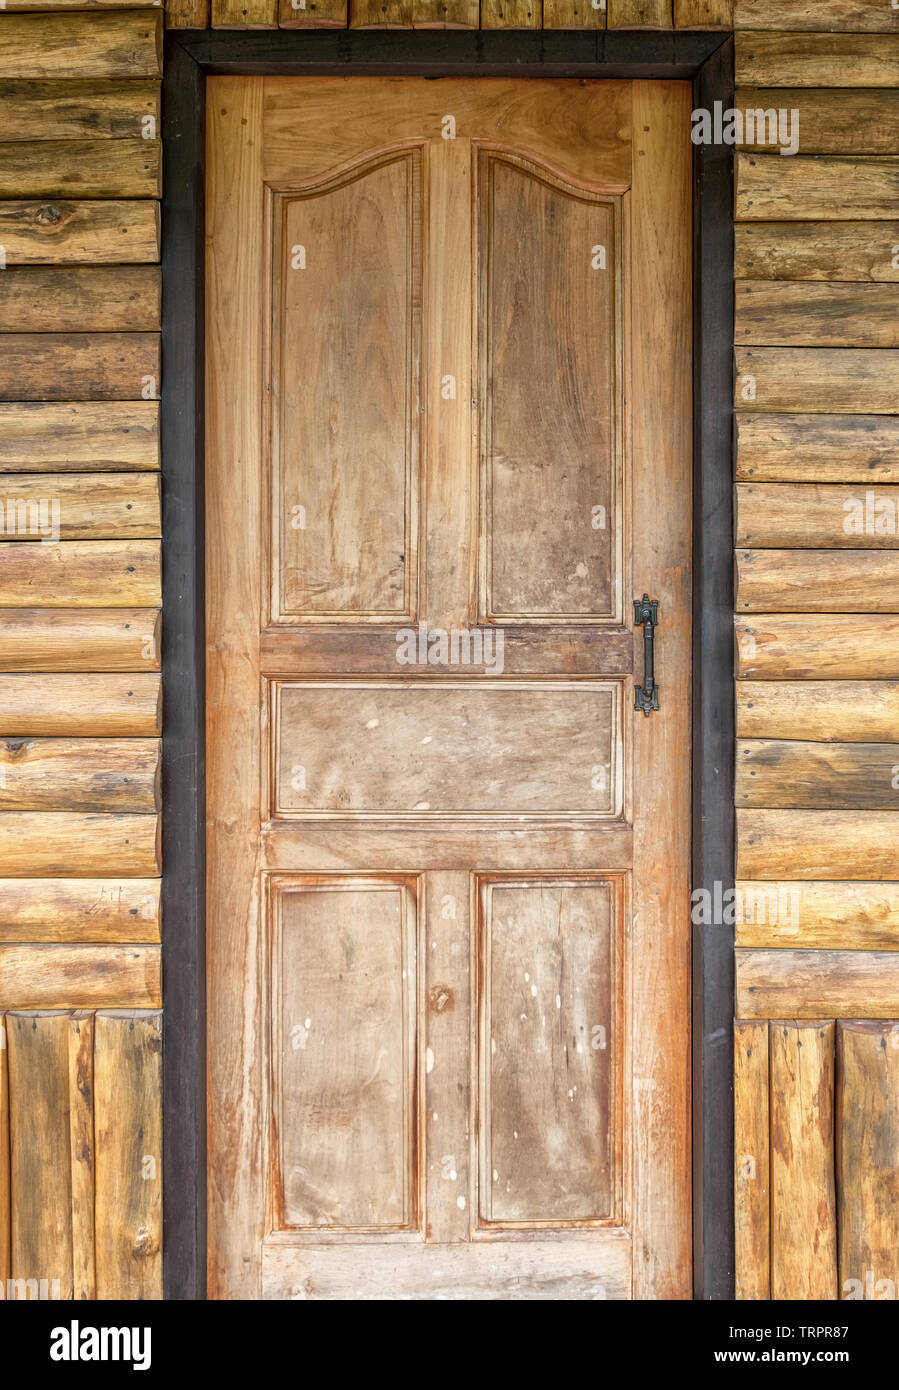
{"x":448,"y":443}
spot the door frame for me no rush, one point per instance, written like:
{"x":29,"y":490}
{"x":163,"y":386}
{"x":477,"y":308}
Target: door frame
{"x":706,"y":58}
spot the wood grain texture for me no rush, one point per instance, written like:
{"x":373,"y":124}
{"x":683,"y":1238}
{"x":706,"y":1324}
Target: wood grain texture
{"x":814,"y":516}
{"x":388,"y":14}
{"x":187,"y":14}
{"x":446,"y":14}
{"x":850,"y":776}
{"x":5,"y":1195}
{"x":867,"y":1157}
{"x":535,"y":1270}
{"x":89,"y":300}
{"x":234,"y":272}
{"x":842,"y":381}
{"x":81,"y":1151}
{"x":513,"y":14}
{"x":78,"y":844}
{"x":818,"y":916}
{"x":128,"y":1141}
{"x":853,"y":711}
{"x":816,"y":60}
{"x":854,"y":16}
{"x":829,"y":122}
{"x":80,"y":704}
{"x":53,"y":436}
{"x":573,"y":14}
{"x":817,"y":984}
{"x":816,"y":581}
{"x":803,"y":1197}
{"x":703,"y":14}
{"x":79,"y":639}
{"x":800,"y":314}
{"x":76,"y":108}
{"x":81,"y":976}
{"x":244,"y":14}
{"x":816,"y":845}
{"x":70,"y":232}
{"x":818,"y":448}
{"x":81,"y":168}
{"x":834,"y":646}
{"x":841,"y":251}
{"x":312,"y":14}
{"x":752,"y":1166}
{"x":661,"y":439}
{"x":79,"y":506}
{"x":95,"y":574}
{"x":79,"y":366}
{"x":805,"y":187}
{"x":79,"y":774}
{"x":640,"y":14}
{"x":40,"y":1161}
{"x":121,"y":44}
{"x":67,"y":910}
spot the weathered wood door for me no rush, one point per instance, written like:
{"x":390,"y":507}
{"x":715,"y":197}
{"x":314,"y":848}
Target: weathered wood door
{"x":448,"y":443}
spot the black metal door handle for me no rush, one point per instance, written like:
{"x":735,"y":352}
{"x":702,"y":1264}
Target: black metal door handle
{"x":646,"y":612}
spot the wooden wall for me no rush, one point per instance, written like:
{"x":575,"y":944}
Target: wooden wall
{"x":817,"y":627}
{"x":80,"y":1048}
{"x":817,"y":654}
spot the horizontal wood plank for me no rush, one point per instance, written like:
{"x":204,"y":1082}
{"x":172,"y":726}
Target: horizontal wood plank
{"x":55,"y":436}
{"x":74,"y":232}
{"x":825,"y":121}
{"x":822,"y":711}
{"x":815,"y":516}
{"x":187,"y":14}
{"x":110,"y":705}
{"x":36,"y":299}
{"x":448,"y":14}
{"x":817,"y":581}
{"x":805,"y":646}
{"x":81,"y":168}
{"x":79,"y":366}
{"x":81,"y":977}
{"x":89,"y":574}
{"x":854,"y":16}
{"x":78,"y":844}
{"x":816,"y":60}
{"x":121,"y":44}
{"x":80,"y":639}
{"x":800,"y":774}
{"x":815,"y":448}
{"x":80,"y":909}
{"x":841,"y":251}
{"x":817,"y":984}
{"x":840,"y":381}
{"x":244,"y":14}
{"x":798,"y":313}
{"x":805,"y":187}
{"x":819,"y":916}
{"x":79,"y":506}
{"x":80,"y":774}
{"x":77,"y":108}
{"x":817,"y":845}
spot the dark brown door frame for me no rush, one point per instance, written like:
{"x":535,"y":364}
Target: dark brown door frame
{"x":704,"y":57}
